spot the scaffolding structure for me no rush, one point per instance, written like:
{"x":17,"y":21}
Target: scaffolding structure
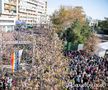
{"x":20,"y":37}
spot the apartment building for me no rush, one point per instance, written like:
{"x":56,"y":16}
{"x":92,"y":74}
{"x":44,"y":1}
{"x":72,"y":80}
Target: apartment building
{"x":7,"y":14}
{"x":28,"y":11}
{"x":31,"y":11}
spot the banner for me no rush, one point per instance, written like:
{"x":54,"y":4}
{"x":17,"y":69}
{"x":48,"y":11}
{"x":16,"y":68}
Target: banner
{"x":15,"y":59}
{"x":20,"y":54}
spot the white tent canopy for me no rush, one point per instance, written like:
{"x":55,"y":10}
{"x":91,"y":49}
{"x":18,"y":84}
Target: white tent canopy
{"x":101,"y":49}
{"x":103,"y":45}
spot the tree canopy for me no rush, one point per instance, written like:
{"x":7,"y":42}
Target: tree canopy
{"x":50,"y":66}
{"x":76,"y":33}
{"x":90,"y":45}
{"x":103,"y":25}
{"x":71,"y":26}
{"x":65,"y":16}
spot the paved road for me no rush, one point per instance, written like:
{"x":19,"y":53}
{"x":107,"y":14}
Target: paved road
{"x":103,"y":37}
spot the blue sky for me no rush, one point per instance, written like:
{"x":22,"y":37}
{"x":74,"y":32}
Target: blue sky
{"x":97,"y":9}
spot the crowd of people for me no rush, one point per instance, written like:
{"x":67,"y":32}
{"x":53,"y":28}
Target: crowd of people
{"x":6,"y":82}
{"x":87,"y":72}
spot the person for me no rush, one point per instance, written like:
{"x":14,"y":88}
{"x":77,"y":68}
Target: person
{"x":3,"y":83}
{"x":9,"y":82}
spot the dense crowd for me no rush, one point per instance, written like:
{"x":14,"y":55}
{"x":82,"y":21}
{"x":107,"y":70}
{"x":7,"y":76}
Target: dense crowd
{"x":87,"y":71}
{"x":6,"y":82}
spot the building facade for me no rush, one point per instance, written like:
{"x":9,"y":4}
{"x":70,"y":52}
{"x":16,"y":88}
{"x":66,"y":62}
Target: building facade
{"x":31,"y":11}
{"x":8,"y":14}
{"x":28,"y":11}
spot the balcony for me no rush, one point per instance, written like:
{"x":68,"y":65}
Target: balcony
{"x":9,"y":13}
{"x":32,"y":2}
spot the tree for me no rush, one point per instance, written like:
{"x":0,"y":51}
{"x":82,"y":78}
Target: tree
{"x":50,"y":66}
{"x":103,"y":25}
{"x":65,"y":16}
{"x":76,"y":34}
{"x":91,"y":43}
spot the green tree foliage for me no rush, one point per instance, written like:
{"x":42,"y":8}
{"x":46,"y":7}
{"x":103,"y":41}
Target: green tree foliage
{"x":103,"y":25}
{"x":76,"y":34}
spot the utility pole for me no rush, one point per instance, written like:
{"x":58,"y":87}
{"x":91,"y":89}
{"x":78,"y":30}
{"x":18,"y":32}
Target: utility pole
{"x":1,"y":43}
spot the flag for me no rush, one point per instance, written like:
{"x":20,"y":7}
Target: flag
{"x":13,"y":61}
{"x":16,"y":60}
{"x":20,"y":54}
